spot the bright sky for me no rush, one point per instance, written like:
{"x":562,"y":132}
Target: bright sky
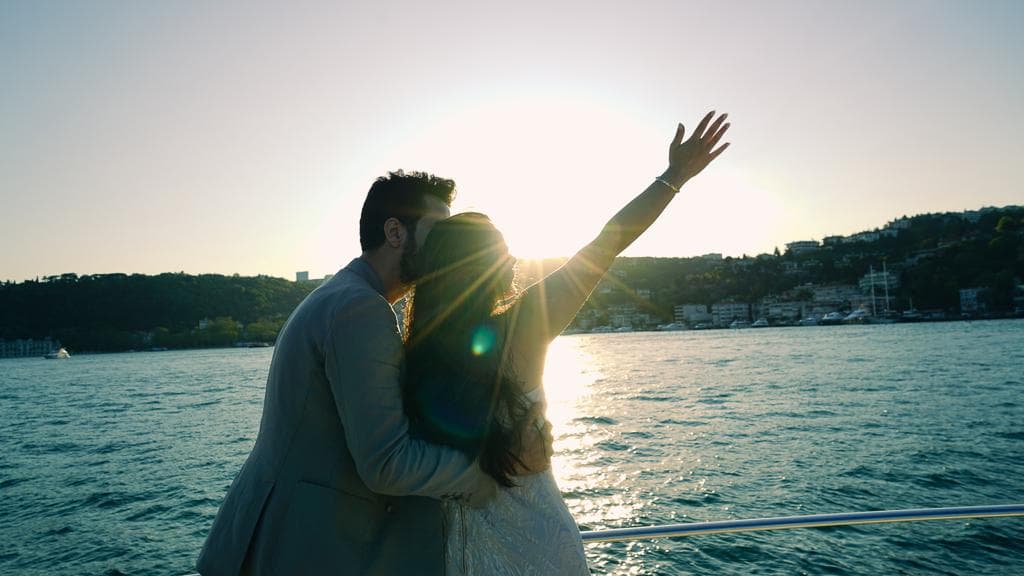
{"x":241,"y":137}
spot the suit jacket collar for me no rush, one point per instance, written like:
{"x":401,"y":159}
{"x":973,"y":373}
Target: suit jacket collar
{"x":360,"y":267}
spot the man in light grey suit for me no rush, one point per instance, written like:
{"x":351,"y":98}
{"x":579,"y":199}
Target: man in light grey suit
{"x":335,"y":484}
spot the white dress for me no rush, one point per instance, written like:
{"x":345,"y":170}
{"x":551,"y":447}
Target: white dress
{"x":523,"y":530}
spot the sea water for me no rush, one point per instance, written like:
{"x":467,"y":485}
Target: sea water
{"x":116,"y":463}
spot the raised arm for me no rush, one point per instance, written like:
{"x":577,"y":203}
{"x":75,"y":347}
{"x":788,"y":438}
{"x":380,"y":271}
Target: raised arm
{"x":552,"y":303}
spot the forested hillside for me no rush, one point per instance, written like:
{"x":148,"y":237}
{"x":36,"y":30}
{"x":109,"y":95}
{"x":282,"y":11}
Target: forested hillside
{"x":933,"y":256}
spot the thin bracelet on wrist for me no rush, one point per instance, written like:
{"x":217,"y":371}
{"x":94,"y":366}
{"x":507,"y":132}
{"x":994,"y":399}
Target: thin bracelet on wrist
{"x":666,"y":183}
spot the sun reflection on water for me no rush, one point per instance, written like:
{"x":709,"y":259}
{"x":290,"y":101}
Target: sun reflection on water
{"x":589,"y":486}
{"x":569,"y":372}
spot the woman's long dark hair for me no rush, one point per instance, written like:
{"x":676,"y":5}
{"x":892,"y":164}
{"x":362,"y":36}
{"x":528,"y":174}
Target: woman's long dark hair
{"x":460,"y":388}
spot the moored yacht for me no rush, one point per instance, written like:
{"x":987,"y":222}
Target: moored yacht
{"x":912,"y":315}
{"x":859,"y":316}
{"x":60,"y":354}
{"x":884,"y":318}
{"x":831,"y":318}
{"x":673,"y":327}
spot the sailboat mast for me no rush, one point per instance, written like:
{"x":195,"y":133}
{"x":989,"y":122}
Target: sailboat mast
{"x":871,"y":274}
{"x":885,"y":276}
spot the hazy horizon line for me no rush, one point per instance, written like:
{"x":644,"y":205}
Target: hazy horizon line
{"x":38,"y":277}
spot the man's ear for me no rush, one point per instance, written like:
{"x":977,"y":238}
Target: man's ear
{"x":394,"y":232}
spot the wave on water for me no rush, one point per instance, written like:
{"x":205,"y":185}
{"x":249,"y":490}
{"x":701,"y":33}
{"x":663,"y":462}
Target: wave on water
{"x":116,"y":464}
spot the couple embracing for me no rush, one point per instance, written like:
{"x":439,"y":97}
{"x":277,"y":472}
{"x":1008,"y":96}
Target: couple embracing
{"x":423,"y":450}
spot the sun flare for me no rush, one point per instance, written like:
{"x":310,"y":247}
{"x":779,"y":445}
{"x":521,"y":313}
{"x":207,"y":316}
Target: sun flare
{"x":568,"y":375}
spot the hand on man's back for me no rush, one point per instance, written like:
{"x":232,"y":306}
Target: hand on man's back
{"x":536,"y":441}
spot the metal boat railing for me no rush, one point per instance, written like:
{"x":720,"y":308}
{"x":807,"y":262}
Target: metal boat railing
{"x":790,"y":522}
{"x":810,"y":521}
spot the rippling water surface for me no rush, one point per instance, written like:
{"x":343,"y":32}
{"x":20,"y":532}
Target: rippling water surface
{"x":114,"y":464}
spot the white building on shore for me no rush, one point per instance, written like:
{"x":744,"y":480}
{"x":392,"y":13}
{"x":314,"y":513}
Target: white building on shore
{"x":788,"y":311}
{"x":880,"y":280}
{"x":802,"y":247}
{"x":974,"y":300}
{"x":723,"y":313}
{"x":27,"y":348}
{"x":691,"y":313}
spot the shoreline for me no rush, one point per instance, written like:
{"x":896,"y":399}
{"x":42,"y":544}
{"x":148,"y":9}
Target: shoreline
{"x":249,"y":346}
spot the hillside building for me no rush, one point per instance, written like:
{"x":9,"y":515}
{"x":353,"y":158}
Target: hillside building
{"x":786,"y":311}
{"x":27,"y":348}
{"x":628,"y":316}
{"x":802,"y":247}
{"x":723,"y":313}
{"x":691,"y":314}
{"x":974,"y":300}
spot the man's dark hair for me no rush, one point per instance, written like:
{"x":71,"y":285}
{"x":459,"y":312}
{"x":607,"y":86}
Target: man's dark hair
{"x":403,"y":196}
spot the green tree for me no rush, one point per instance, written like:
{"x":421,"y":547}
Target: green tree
{"x":1006,"y":225}
{"x":222,"y":331}
{"x":263,"y":330}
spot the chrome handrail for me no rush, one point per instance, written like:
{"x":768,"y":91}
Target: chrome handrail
{"x":810,"y":521}
{"x":788,"y":522}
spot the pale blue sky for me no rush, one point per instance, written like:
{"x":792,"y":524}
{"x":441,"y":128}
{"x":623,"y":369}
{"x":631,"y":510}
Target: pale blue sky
{"x":241,"y":137}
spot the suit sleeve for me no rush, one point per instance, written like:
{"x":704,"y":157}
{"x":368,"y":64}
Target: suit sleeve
{"x":363,"y":357}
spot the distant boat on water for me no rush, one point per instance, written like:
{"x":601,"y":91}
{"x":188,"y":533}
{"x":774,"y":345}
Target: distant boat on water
{"x":859,"y":316}
{"x":911,"y":315}
{"x":60,"y":354}
{"x":760,"y":323}
{"x":831,"y":318}
{"x":885,"y":318}
{"x":736,"y":324}
{"x":673,"y":327}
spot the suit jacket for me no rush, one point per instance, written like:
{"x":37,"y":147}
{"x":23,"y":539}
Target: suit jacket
{"x":334,"y":483}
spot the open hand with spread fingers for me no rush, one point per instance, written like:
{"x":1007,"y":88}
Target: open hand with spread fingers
{"x":686,"y":158}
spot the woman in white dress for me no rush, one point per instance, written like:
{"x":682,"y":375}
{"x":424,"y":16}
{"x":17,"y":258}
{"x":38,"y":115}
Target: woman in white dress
{"x":475,"y":353}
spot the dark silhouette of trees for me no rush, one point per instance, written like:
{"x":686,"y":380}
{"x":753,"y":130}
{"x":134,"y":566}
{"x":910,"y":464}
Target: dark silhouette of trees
{"x":933,"y":255}
{"x":121,"y":312}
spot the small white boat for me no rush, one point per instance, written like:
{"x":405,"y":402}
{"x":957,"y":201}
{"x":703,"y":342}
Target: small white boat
{"x":760,"y":323}
{"x":736,"y":324}
{"x":831,"y":318}
{"x":859,"y":316}
{"x":912,"y":315}
{"x":809,"y":321}
{"x":61,"y":354}
{"x":884,"y":318}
